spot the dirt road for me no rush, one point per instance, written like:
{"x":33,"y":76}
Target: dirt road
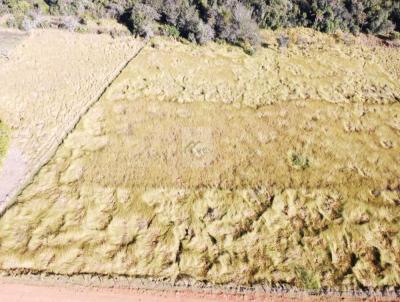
{"x":14,"y":292}
{"x":34,"y":293}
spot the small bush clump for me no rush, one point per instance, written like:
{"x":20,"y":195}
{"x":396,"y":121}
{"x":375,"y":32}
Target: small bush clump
{"x":298,"y":161}
{"x":235,"y":24}
{"x":283,"y":41}
{"x":142,"y":19}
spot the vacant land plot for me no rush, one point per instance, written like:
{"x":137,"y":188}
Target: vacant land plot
{"x":48,"y":80}
{"x":207,"y":164}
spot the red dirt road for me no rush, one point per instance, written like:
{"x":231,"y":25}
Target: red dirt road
{"x":34,"y":293}
{"x":19,"y":292}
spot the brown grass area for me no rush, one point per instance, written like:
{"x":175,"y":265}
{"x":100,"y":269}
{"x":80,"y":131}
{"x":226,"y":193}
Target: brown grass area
{"x":208,"y":164}
{"x":48,"y":81}
{"x":314,"y":67}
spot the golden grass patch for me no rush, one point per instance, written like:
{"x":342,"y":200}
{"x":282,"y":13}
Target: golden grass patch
{"x":196,"y":164}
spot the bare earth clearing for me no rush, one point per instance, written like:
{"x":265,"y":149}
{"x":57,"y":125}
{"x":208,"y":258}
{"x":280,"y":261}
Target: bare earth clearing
{"x":204,"y":164}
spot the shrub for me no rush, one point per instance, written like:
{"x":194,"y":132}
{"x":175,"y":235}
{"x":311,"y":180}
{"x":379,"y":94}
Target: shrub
{"x":12,"y":22}
{"x":378,"y":17}
{"x":69,"y":23}
{"x":205,"y":33}
{"x":283,"y":41}
{"x":171,"y":11}
{"x":350,"y":15}
{"x":234,"y":23}
{"x":170,"y":31}
{"x":395,"y":16}
{"x":273,"y":13}
{"x":375,"y":16}
{"x":18,"y":7}
{"x":298,"y":161}
{"x":71,"y":7}
{"x":32,"y":20}
{"x":188,"y":22}
{"x":113,"y":10}
{"x":27,"y":24}
{"x":142,"y":19}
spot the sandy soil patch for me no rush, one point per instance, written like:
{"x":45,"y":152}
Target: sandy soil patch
{"x":195,"y":165}
{"x":47,"y":83}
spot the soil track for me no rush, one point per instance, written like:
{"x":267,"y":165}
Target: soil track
{"x":31,"y":291}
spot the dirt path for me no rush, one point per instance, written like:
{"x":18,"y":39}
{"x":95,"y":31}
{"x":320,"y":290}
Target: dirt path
{"x":32,"y":293}
{"x":48,"y":81}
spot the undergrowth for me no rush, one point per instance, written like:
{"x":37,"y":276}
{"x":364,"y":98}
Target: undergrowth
{"x":200,"y":21}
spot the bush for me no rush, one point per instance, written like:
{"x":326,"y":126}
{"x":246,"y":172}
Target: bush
{"x":142,"y":19}
{"x":234,"y":24}
{"x":69,"y":23}
{"x":395,"y":17}
{"x":18,"y":7}
{"x":188,"y":22}
{"x":349,"y":15}
{"x":205,"y":33}
{"x":32,"y":20}
{"x":272,"y":13}
{"x":283,"y":41}
{"x":171,"y":11}
{"x":170,"y":31}
{"x":374,"y":16}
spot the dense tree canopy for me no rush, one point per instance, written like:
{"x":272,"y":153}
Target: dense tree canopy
{"x":235,"y":21}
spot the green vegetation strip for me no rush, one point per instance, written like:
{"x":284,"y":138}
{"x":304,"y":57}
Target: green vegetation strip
{"x":235,"y":21}
{"x":4,"y":138}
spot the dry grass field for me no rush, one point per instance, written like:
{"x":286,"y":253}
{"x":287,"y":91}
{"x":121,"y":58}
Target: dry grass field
{"x":204,"y":163}
{"x":48,"y":80}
